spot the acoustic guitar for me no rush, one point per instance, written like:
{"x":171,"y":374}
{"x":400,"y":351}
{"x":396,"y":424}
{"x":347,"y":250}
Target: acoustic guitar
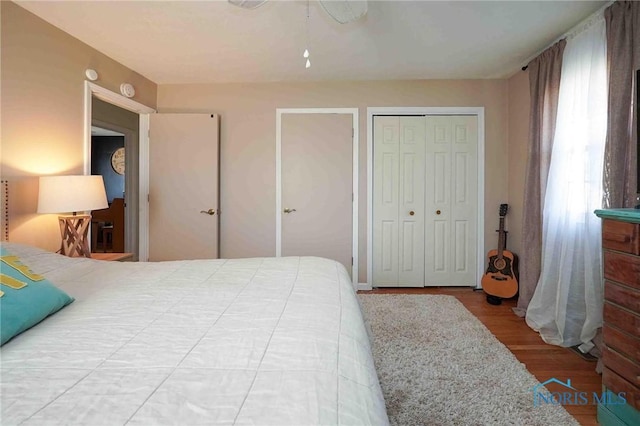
{"x":501,"y":279}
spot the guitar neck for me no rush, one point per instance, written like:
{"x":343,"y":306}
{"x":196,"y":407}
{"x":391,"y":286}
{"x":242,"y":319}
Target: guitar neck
{"x":501,"y":238}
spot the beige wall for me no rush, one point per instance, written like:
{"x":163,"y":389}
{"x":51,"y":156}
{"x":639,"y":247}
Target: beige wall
{"x":519,"y":108}
{"x":248,"y":124}
{"x":42,"y":100}
{"x":42,"y":75}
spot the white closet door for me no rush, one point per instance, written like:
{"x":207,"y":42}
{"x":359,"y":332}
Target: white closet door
{"x":386,"y":196}
{"x":451,"y":201}
{"x":398,"y":231}
{"x":411,"y":206}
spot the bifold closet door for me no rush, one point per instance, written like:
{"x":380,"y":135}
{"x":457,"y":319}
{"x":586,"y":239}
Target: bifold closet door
{"x":451,"y":208}
{"x":425,"y":204}
{"x":398,"y":200}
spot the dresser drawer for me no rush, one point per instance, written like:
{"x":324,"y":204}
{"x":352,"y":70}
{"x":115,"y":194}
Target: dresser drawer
{"x":623,"y":268}
{"x":625,"y":367}
{"x":623,"y":296}
{"x":617,"y":384}
{"x":621,"y":236}
{"x":618,"y":317}
{"x":621,"y":342}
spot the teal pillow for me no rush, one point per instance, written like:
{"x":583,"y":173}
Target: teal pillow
{"x":25,"y":298}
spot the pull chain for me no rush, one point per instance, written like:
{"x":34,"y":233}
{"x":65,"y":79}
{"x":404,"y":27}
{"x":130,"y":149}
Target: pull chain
{"x":305,"y":55}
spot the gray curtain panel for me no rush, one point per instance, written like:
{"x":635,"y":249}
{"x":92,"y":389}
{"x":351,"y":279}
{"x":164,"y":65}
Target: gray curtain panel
{"x":544,"y":86}
{"x":623,"y":51}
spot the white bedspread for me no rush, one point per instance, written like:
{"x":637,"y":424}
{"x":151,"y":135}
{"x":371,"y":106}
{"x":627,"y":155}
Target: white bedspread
{"x":268,"y":341}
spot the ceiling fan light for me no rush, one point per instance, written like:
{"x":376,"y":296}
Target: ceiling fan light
{"x":308,"y":64}
{"x":305,"y":54}
{"x":247,"y":4}
{"x":345,"y":11}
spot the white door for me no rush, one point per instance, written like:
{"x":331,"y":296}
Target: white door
{"x":424,"y":201}
{"x":316,"y":164}
{"x":183,"y":186}
{"x":451,"y":201}
{"x":398,"y":231}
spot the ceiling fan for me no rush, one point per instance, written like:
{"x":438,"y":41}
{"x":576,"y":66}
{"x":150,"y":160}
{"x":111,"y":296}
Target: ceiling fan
{"x":343,"y":11}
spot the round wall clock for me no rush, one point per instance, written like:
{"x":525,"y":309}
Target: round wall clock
{"x":117,"y":161}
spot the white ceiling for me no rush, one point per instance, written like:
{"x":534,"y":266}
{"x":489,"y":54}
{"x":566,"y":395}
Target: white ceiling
{"x":214,"y":41}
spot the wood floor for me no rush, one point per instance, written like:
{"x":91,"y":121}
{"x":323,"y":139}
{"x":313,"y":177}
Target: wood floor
{"x":542,"y":360}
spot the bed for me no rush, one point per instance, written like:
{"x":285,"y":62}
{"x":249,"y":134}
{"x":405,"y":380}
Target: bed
{"x":262,"y":341}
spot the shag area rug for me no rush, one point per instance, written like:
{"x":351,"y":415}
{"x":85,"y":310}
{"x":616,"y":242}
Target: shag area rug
{"x":439,"y":365}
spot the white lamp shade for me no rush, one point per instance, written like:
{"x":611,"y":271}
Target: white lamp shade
{"x":64,"y":194}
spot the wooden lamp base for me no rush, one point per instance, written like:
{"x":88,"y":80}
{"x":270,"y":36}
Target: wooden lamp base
{"x":74,"y":230}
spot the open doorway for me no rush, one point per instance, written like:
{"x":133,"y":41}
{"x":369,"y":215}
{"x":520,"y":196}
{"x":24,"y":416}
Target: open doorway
{"x":114,"y":155}
{"x":108,"y":160}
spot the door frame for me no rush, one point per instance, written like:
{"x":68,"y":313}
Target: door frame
{"x":143,"y":111}
{"x":354,"y":173}
{"x":479,"y":113}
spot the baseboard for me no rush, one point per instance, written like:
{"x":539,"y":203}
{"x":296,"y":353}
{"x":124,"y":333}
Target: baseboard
{"x":367,"y":286}
{"x":364,"y":286}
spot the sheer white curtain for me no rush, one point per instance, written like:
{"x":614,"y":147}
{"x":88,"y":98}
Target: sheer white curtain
{"x":566,"y":307}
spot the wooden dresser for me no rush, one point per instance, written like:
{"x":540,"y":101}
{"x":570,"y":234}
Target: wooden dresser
{"x":621,"y":319}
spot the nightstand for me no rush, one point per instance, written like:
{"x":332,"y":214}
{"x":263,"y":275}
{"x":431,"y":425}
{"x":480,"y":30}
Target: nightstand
{"x":120,"y":257}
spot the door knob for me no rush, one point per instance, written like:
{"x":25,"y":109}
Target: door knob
{"x":288,"y":210}
{"x":210,"y":212}
{"x":411,"y":213}
{"x":437,"y":211}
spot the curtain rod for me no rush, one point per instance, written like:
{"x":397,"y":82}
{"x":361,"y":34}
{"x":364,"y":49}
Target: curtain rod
{"x":568,"y":33}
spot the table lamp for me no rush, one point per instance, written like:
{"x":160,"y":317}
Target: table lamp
{"x":64,"y":194}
